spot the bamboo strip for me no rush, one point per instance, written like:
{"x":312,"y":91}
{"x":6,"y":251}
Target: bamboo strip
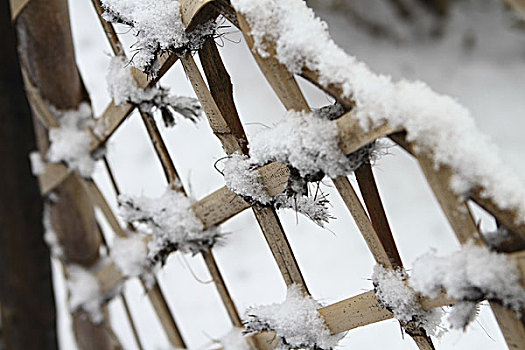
{"x":368,"y":187}
{"x":218,"y":123}
{"x":221,"y":89}
{"x":460,"y":218}
{"x":109,"y":30}
{"x":222,"y":127}
{"x":292,"y":97}
{"x":511,"y":326}
{"x":509,"y":218}
{"x":362,"y":221}
{"x":99,"y":200}
{"x":154,"y":293}
{"x":454,"y":207}
{"x":17,"y":6}
{"x":54,"y":174}
{"x":162,"y":309}
{"x":38,"y":104}
{"x":364,"y":309}
{"x":280,"y":79}
{"x":161,"y":150}
{"x":195,"y":12}
{"x":333,"y":90}
{"x":457,"y":212}
{"x":221,"y":287}
{"x":134,"y":330}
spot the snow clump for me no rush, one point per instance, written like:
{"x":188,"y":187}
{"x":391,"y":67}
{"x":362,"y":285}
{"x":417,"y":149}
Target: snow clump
{"x":130,"y":255}
{"x":471,"y":274}
{"x":394,"y":293}
{"x":305,"y":142}
{"x":296,"y":322}
{"x":84,"y":292}
{"x":171,"y":223}
{"x":71,"y":142}
{"x":123,"y":88}
{"x":158,"y":27}
{"x":242,"y":177}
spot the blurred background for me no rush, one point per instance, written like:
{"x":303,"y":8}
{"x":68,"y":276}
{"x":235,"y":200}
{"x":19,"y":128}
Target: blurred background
{"x":472,"y":50}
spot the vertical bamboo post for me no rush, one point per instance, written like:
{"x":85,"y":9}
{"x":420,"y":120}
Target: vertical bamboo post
{"x":47,"y":56}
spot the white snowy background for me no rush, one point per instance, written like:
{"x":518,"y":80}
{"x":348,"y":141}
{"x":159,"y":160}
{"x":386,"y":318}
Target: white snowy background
{"x":489,"y":79}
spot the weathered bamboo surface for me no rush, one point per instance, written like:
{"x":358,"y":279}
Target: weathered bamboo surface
{"x":216,"y":97}
{"x":59,"y":84}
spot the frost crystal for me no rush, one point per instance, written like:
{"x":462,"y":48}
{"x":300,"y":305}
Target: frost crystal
{"x":84,"y":292}
{"x":158,"y":27}
{"x":296,"y":322}
{"x":437,"y":123}
{"x":471,"y":274}
{"x":171,"y":223}
{"x":130,"y":254}
{"x":313,"y":208}
{"x":71,"y":142}
{"x":123,"y":88}
{"x":242,"y":177}
{"x":394,"y":293}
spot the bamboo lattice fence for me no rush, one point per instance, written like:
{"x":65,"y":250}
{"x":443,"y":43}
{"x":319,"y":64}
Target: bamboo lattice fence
{"x":81,"y":237}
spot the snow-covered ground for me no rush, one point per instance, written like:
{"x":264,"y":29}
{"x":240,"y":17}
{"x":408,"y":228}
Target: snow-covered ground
{"x":489,"y":79}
